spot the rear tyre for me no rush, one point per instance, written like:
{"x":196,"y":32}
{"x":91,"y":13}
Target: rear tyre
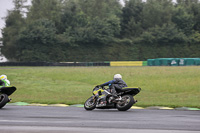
{"x":126,"y":103}
{"x":90,"y":103}
{"x":3,"y":100}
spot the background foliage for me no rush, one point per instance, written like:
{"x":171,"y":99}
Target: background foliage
{"x":101,"y":30}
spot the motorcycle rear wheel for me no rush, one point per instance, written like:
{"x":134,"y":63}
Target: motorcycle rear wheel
{"x":90,"y":104}
{"x":3,"y":100}
{"x":127,"y":103}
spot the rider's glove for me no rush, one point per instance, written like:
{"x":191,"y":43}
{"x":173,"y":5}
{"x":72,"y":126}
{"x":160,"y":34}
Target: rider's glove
{"x":102,"y":85}
{"x":98,"y":86}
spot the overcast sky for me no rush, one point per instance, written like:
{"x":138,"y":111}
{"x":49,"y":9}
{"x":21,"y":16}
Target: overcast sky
{"x":4,"y":6}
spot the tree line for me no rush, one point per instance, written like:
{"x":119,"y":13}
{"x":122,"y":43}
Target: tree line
{"x":101,"y":30}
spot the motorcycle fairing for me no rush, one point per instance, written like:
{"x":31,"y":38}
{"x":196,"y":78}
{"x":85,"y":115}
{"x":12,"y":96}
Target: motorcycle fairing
{"x":7,"y":90}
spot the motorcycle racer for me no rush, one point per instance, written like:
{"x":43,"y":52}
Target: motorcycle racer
{"x":116,"y":84}
{"x":4,"y":81}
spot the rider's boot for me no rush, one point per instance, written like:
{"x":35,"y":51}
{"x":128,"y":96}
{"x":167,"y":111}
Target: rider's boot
{"x":9,"y":99}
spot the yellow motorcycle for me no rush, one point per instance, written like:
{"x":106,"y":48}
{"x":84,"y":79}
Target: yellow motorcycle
{"x":103,"y":99}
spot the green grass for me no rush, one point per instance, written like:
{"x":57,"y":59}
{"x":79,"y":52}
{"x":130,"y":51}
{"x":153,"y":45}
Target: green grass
{"x":161,"y":86}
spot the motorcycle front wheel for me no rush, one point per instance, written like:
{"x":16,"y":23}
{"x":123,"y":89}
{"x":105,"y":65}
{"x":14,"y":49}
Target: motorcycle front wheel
{"x":3,"y":100}
{"x":90,"y":103}
{"x":126,"y":103}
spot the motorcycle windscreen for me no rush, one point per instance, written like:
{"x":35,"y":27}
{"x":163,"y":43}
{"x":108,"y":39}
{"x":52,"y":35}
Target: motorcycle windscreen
{"x":7,"y":90}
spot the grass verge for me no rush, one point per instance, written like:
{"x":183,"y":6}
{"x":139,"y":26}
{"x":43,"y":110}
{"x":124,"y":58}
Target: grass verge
{"x":161,"y":86}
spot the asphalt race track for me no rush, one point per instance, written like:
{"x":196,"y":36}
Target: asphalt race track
{"x":37,"y":119}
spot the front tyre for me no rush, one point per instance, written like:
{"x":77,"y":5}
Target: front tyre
{"x":3,"y":100}
{"x":126,"y":103}
{"x":90,"y":103}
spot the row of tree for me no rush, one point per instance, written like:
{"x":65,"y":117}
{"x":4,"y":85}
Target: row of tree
{"x":101,"y":30}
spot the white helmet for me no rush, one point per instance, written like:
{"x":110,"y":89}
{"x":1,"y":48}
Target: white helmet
{"x":4,"y":77}
{"x":117,"y":76}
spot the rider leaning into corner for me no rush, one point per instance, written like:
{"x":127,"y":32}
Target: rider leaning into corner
{"x":4,"y":81}
{"x":116,"y":84}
